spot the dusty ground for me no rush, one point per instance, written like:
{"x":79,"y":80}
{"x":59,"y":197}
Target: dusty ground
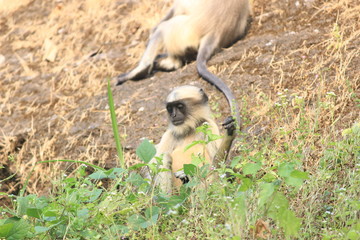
{"x":53,"y":98}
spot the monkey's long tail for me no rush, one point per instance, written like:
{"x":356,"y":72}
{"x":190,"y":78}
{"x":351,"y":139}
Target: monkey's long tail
{"x":219,"y":84}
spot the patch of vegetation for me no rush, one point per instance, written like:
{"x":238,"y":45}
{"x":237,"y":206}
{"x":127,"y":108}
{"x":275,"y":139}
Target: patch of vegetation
{"x":270,"y":195}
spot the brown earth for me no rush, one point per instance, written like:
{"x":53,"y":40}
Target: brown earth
{"x":53,"y":96}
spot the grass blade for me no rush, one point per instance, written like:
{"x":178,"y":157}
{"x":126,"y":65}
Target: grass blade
{"x":115,"y":127}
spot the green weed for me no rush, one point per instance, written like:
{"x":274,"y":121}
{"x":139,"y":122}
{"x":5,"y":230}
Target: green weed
{"x":269,"y":195}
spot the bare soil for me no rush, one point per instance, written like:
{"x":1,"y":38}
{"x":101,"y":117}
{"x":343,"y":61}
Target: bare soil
{"x":56,"y":107}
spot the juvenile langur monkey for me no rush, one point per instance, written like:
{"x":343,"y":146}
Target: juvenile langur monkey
{"x":188,"y":108}
{"x":194,"y":26}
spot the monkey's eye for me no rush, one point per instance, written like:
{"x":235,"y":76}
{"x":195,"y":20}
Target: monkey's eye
{"x":180,"y":106}
{"x":169,"y":109}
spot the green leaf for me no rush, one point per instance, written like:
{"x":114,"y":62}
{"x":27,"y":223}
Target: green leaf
{"x":292,"y":177}
{"x":269,"y":177}
{"x":289,"y":222}
{"x":212,"y":137}
{"x":41,"y":229}
{"x":204,"y":170}
{"x":34,"y":212}
{"x":111,"y":173}
{"x":279,"y":202}
{"x":5,"y":229}
{"x":23,"y":204}
{"x":192,"y":183}
{"x":251,"y":168}
{"x":20,"y":229}
{"x":267,"y":189}
{"x":119,"y":228}
{"x":83,"y":213}
{"x":189,"y":169}
{"x":132,"y":198}
{"x":285,"y":169}
{"x":124,"y":211}
{"x":299,"y":174}
{"x":295,"y":182}
{"x":174,"y":200}
{"x":50,"y":215}
{"x":239,"y":206}
{"x":98,"y":175}
{"x":70,"y":181}
{"x":136,"y":166}
{"x":152,"y":214}
{"x":234,"y":174}
{"x":197,"y":159}
{"x":353,"y":235}
{"x":146,"y":151}
{"x":193,"y":144}
{"x":135,"y":179}
{"x":137,"y":221}
{"x":246,"y":184}
{"x":235,"y":162}
{"x":93,"y":195}
{"x":114,"y":173}
{"x":163,"y":170}
{"x":153,"y":168}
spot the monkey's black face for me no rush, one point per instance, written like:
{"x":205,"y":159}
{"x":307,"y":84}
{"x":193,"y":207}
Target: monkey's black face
{"x":177,"y":112}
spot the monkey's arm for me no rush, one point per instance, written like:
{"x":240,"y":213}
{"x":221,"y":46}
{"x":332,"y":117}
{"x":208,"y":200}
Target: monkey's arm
{"x":221,"y":155}
{"x":164,"y":179}
{"x":208,"y":45}
{"x":164,"y":148}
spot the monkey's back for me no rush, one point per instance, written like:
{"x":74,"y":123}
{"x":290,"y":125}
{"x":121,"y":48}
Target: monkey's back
{"x":224,"y":19}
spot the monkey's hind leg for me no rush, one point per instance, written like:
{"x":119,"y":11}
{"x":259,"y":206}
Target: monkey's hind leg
{"x":168,"y":63}
{"x":145,"y":66}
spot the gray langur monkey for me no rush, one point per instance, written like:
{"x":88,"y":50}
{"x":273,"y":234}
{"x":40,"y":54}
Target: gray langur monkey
{"x":188,"y":108}
{"x":194,"y":27}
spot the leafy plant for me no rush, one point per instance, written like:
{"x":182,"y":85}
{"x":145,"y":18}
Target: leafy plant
{"x":270,"y":195}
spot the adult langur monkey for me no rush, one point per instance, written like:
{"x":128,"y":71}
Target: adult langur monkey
{"x":194,"y":26}
{"x":188,"y":108}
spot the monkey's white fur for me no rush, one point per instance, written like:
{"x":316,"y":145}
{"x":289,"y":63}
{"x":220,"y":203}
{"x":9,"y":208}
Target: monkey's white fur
{"x":177,"y":138}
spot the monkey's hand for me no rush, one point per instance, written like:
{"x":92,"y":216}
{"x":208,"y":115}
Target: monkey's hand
{"x":229,"y":125}
{"x":182,"y":176}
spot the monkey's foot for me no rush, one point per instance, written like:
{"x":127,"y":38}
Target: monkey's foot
{"x":168,"y":64}
{"x":229,"y":125}
{"x":182,"y":176}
